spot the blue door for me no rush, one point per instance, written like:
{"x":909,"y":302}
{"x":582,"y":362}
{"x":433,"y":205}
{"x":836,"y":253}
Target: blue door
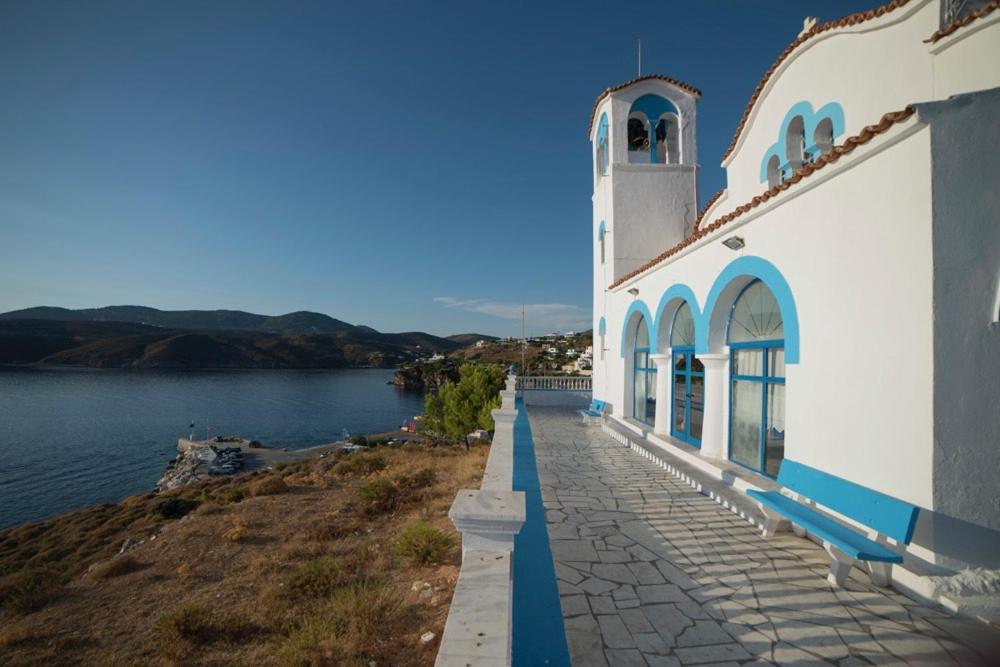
{"x":687,"y":396}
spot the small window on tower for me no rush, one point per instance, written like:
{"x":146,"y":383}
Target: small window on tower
{"x":823,"y":136}
{"x":602,"y":146}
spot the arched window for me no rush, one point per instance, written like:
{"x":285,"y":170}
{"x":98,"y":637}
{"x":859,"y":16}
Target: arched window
{"x":644,"y":376}
{"x":601,"y":233}
{"x":823,"y":136}
{"x":773,"y":171}
{"x":638,"y":137}
{"x":653,"y":123}
{"x":795,"y":143}
{"x":757,"y":372}
{"x":602,"y":146}
{"x":667,"y":131}
{"x":687,"y":390}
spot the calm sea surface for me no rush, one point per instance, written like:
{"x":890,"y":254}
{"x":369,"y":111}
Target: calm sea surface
{"x":72,"y":438}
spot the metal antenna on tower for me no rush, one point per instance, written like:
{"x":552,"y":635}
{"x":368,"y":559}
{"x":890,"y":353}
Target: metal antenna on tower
{"x":639,"y":40}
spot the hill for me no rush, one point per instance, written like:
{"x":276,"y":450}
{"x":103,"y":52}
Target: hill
{"x":301,"y":321}
{"x":108,"y":344}
{"x":471,"y":338}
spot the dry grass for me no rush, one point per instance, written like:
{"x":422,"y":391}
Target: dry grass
{"x":270,"y":485}
{"x":116,"y":567}
{"x":314,"y":577}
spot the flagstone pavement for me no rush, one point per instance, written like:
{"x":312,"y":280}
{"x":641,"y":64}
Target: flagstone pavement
{"x":651,"y":572}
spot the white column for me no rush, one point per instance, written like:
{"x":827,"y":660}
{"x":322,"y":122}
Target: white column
{"x":713,"y":445}
{"x":664,"y":368}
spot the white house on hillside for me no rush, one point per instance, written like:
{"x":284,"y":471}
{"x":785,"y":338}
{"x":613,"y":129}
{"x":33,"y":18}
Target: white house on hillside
{"x":838,"y":304}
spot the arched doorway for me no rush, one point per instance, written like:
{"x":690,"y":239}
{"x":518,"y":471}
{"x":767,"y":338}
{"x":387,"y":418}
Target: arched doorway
{"x":687,"y":387}
{"x":644,"y":376}
{"x":756,"y":338}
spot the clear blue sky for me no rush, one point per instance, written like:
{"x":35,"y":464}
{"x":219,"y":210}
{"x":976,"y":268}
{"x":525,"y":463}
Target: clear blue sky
{"x":405,"y":165}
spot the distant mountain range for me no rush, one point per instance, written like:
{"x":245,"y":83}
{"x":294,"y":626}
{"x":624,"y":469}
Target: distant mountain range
{"x":142,"y":337}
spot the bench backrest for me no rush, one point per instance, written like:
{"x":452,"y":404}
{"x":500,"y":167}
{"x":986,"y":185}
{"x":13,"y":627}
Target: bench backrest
{"x":597,"y":406}
{"x":887,"y":515}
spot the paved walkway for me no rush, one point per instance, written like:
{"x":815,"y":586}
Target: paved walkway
{"x":650,"y":572}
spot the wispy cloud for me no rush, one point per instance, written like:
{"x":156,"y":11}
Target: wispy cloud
{"x":539,"y":316}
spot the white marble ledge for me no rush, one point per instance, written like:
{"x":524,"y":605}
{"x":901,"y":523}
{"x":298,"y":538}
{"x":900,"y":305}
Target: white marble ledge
{"x":477,"y":631}
{"x":488,"y":506}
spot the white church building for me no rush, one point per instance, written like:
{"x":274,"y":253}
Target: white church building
{"x":838,"y":303}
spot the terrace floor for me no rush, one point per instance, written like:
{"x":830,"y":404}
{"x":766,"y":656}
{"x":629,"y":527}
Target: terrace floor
{"x":650,"y":572}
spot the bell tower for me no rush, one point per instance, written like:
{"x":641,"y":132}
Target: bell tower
{"x":645,"y":175}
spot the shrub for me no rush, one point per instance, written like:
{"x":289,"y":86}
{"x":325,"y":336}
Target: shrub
{"x":330,"y":528}
{"x":422,"y":543}
{"x":116,"y":567}
{"x":378,"y":496}
{"x":30,"y":590}
{"x":361,"y":464}
{"x":178,"y":629}
{"x":418,"y":480}
{"x":233,"y":493}
{"x":317,"y":578}
{"x":174,"y":507}
{"x":459,"y":408}
{"x":269,"y":486}
{"x":359,"y":440}
{"x":238,"y":532}
{"x":350,"y":627}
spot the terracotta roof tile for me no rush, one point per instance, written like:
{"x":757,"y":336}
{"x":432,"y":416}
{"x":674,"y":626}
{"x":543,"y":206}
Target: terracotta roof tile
{"x":962,"y":22}
{"x":849,"y":144}
{"x":704,"y":209}
{"x":853,"y":19}
{"x":614,"y":89}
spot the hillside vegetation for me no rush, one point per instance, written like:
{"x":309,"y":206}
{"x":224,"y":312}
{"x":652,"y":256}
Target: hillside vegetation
{"x":105,"y":344}
{"x":338,"y":561}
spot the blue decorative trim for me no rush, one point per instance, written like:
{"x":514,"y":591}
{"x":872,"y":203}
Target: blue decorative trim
{"x":538,"y":633}
{"x":601,"y":231}
{"x":810,"y":119}
{"x":677,"y":291}
{"x":602,"y":327}
{"x":768,"y":274}
{"x":637,"y":306}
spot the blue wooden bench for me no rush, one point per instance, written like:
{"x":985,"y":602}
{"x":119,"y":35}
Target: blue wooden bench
{"x":884,"y":514}
{"x":595,"y":411}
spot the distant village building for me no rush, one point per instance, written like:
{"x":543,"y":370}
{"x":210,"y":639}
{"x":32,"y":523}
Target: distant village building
{"x":837,"y":304}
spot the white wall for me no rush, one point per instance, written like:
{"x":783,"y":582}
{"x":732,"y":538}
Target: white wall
{"x":857,"y":260}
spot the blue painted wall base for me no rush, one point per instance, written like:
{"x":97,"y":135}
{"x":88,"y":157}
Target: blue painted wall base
{"x":539,"y":637}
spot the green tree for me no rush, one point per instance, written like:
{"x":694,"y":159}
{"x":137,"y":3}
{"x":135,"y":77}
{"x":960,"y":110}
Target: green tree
{"x":458,"y":408}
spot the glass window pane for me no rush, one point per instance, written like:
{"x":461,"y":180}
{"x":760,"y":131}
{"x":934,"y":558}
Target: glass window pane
{"x":641,"y":333}
{"x":697,"y":405}
{"x":748,"y":362}
{"x":745,"y":437}
{"x":680,"y":362}
{"x":776,"y":362}
{"x":775,"y":435}
{"x":650,"y":396}
{"x":640,"y":395}
{"x":697,"y":366}
{"x":682,"y":332}
{"x":642,"y":359}
{"x":755,"y":316}
{"x":680,"y":402}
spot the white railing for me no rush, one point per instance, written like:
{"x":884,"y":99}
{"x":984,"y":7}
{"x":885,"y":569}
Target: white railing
{"x":478,"y":629}
{"x":555,"y":383}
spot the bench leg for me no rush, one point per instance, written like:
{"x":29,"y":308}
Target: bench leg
{"x":770,"y":526}
{"x":879,"y":573}
{"x":840,"y":565}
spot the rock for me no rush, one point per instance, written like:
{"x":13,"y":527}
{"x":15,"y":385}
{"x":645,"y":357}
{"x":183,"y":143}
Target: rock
{"x":427,"y":637}
{"x":417,"y":585}
{"x":426,"y":594}
{"x":126,"y":545}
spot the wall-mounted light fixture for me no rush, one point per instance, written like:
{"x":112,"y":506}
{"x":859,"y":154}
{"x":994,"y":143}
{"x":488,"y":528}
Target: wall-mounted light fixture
{"x":734,"y":242}
{"x":634,"y":291}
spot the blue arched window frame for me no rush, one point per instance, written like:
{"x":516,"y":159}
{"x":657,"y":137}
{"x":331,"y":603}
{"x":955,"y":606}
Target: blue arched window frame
{"x":769,"y":351}
{"x":688,"y":371}
{"x":653,"y":108}
{"x":643,"y":371}
{"x":603,"y":155}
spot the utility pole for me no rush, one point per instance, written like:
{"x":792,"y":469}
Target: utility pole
{"x":524,"y":342}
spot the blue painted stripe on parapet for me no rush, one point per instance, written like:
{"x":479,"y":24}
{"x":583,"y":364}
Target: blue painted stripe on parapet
{"x":539,"y":637}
